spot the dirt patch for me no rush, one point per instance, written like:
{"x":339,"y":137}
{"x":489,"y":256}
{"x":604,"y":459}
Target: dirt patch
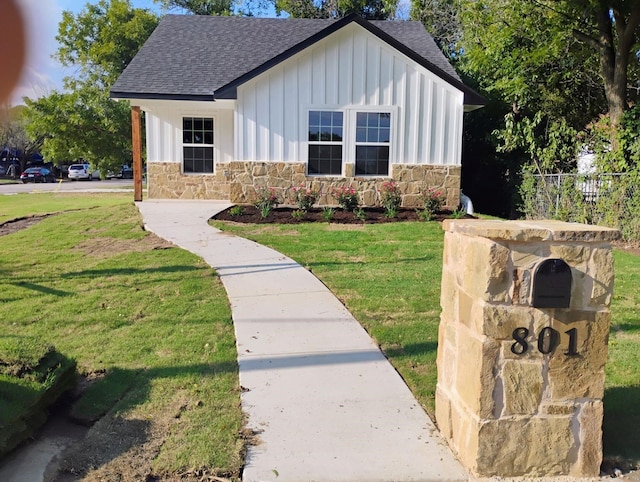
{"x":286,"y":215}
{"x":123,"y":448}
{"x":102,"y":247}
{"x":14,"y":225}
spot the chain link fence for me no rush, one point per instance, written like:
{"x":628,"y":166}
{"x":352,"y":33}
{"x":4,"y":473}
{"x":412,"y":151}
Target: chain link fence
{"x":605,"y":199}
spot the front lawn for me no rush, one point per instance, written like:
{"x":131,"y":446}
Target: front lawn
{"x":148,"y":321}
{"x":388,"y":275}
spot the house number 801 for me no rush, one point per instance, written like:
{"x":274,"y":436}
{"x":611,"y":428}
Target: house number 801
{"x":548,"y":340}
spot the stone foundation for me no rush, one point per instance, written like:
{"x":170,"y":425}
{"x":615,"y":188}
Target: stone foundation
{"x":237,"y":182}
{"x":509,"y":404}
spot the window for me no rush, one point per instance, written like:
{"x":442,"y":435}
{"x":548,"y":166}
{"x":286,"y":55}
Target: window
{"x":325,"y":143}
{"x":197,"y":145}
{"x":373,"y":136}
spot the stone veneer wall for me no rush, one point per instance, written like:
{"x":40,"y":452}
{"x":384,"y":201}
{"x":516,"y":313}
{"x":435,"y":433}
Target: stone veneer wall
{"x":237,"y":181}
{"x":531,"y":414}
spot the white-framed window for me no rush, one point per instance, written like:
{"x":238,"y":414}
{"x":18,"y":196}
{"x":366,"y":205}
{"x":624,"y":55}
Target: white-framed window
{"x":353,"y":134}
{"x":373,"y":139}
{"x":325,"y":138}
{"x":197,"y":145}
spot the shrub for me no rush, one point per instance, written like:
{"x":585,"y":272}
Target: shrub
{"x":347,"y":197}
{"x":390,"y":198}
{"x":327,"y":213}
{"x":432,"y":200}
{"x":305,"y":197}
{"x":236,"y":211}
{"x":267,"y":200}
{"x":298,"y":214}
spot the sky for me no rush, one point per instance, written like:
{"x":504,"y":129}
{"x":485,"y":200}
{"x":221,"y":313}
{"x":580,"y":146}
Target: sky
{"x":42,"y":74}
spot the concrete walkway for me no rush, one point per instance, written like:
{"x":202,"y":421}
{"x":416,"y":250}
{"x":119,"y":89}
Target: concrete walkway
{"x":327,"y":404}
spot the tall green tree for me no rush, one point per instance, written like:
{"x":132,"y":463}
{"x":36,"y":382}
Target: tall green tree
{"x":98,"y":43}
{"x":559,"y":63}
{"x":369,"y":9}
{"x":201,"y":7}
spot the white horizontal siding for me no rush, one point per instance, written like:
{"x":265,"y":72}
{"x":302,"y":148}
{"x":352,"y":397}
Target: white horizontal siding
{"x":348,"y":69}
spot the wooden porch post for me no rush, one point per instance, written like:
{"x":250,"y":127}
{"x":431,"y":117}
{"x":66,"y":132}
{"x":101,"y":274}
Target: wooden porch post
{"x":136,"y":140}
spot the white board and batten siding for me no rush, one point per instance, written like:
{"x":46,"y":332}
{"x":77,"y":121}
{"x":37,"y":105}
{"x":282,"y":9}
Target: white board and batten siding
{"x":163,"y":121}
{"x":351,"y":70}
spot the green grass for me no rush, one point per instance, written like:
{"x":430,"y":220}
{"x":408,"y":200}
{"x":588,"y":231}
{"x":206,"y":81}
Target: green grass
{"x":388,"y":276}
{"x":155,"y":322}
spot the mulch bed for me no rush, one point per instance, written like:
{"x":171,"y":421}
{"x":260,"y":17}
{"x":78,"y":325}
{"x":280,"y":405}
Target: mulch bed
{"x":284,"y":215}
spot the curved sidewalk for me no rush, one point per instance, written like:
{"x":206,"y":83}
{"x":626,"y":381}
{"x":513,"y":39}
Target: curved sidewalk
{"x":326,"y":403}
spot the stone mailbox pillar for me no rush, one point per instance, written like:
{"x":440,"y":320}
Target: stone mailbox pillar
{"x":520,"y":387}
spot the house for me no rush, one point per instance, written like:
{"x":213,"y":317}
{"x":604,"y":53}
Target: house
{"x":233,"y":104}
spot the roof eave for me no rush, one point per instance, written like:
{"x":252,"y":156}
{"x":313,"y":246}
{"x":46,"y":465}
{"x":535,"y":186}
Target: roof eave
{"x":158,"y":96}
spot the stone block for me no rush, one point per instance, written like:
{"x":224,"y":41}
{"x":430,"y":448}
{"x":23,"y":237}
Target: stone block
{"x":488,"y":274}
{"x":443,"y":413}
{"x":590,"y":448}
{"x":526,"y":256}
{"x":522,"y":384}
{"x":601,"y":273}
{"x":499,"y":321}
{"x":474,"y":377}
{"x":525,"y":446}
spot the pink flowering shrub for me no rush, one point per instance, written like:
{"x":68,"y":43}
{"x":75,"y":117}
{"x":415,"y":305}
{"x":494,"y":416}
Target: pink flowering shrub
{"x":305,"y":197}
{"x":347,"y":197}
{"x":390,"y":198}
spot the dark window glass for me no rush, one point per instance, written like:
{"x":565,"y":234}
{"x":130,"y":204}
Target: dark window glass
{"x":325,"y":159}
{"x":373,"y":127}
{"x":325,"y":128}
{"x":197,"y":130}
{"x":372,"y":160}
{"x":198,"y":159}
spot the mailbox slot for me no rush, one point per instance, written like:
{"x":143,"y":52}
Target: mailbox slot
{"x":551,"y":284}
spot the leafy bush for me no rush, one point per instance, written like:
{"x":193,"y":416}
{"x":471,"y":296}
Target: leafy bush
{"x":305,"y":197}
{"x":432,"y":200}
{"x":390,"y":198}
{"x":267,"y":200}
{"x":347,"y":197}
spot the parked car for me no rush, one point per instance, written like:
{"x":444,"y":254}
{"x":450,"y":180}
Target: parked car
{"x":37,"y":174}
{"x":82,"y":171}
{"x":125,"y":172}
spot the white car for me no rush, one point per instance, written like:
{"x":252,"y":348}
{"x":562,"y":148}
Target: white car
{"x":82,"y":171}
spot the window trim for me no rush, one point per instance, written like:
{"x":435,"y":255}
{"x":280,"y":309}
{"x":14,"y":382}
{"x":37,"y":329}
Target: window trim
{"x":357,"y":143}
{"x":349,"y":144}
{"x":182,"y":144}
{"x":341,"y":143}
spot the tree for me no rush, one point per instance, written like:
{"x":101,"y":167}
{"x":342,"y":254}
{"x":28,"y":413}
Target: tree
{"x":201,"y":7}
{"x":612,"y":29}
{"x":540,"y":57}
{"x":13,"y":134}
{"x":369,"y":9}
{"x":441,"y":19}
{"x":99,"y":42}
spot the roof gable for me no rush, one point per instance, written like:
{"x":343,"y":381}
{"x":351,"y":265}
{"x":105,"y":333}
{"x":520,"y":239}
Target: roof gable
{"x":192,"y":57}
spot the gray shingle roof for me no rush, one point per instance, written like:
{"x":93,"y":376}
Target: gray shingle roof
{"x":191,"y":57}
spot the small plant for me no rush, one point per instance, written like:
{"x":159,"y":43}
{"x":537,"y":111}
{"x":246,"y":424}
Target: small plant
{"x":305,"y":197}
{"x":360,"y":214}
{"x":267,"y":200}
{"x":327,"y":213}
{"x":458,"y":214}
{"x":390,"y":198}
{"x":424,"y":214}
{"x":236,"y":211}
{"x":347,"y":197}
{"x":298,"y":214}
{"x":432,"y":200}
